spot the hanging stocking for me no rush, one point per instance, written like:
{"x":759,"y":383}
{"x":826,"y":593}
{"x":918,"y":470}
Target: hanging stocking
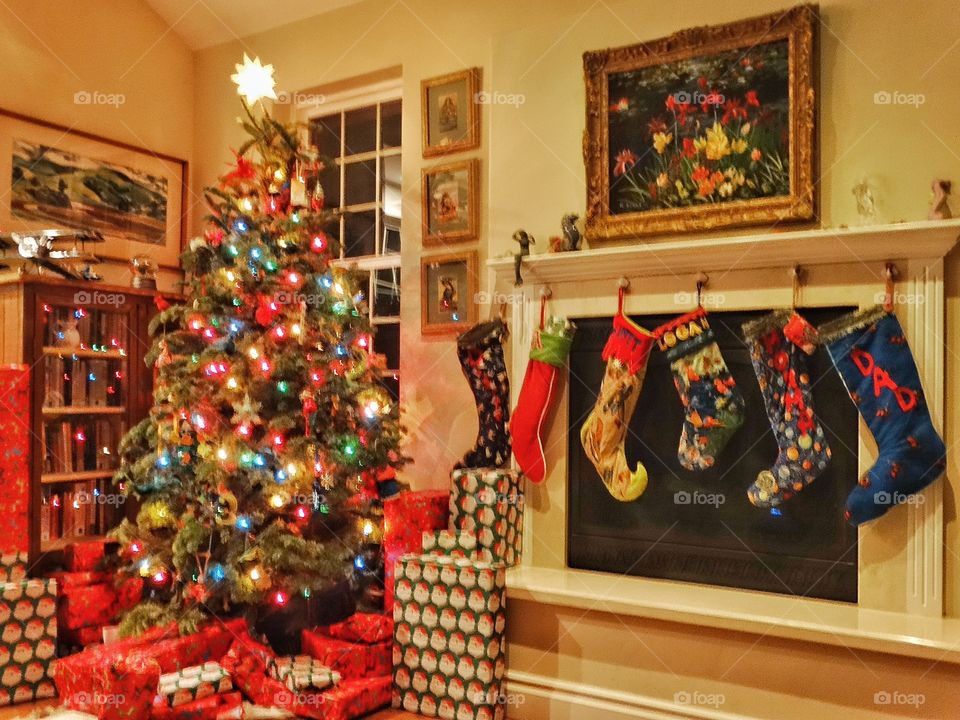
{"x":551,"y":346}
{"x":605,"y":429}
{"x":480,"y":350}
{"x":713,"y":406}
{"x":777,"y":345}
{"x":871,"y":354}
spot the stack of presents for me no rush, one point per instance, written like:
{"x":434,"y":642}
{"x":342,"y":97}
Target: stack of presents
{"x":447,"y":554}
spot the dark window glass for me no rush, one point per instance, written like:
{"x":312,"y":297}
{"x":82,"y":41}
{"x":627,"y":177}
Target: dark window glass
{"x":387,"y":298}
{"x":387,"y":342}
{"x":390,"y":124}
{"x":360,"y":233}
{"x":325,"y":134}
{"x":361,"y":130}
{"x":360,"y":182}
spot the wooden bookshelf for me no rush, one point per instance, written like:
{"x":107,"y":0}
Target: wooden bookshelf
{"x":88,"y":385}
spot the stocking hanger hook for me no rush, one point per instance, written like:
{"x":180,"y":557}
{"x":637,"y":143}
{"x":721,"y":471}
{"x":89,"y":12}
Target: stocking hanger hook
{"x":702,"y":280}
{"x":796,"y":273}
{"x":545,"y":294}
{"x":890,"y":272}
{"x":623,"y":284}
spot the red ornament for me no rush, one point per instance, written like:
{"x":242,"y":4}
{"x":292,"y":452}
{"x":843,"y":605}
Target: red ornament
{"x":196,"y":322}
{"x":160,"y":302}
{"x":318,"y":376}
{"x":266,"y":310}
{"x":244,"y":170}
{"x":320,"y":242}
{"x":309,"y":408}
{"x":214,"y":236}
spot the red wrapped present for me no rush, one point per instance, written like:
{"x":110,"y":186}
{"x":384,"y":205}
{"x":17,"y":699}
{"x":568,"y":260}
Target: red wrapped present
{"x":213,"y":707}
{"x":389,"y":573}
{"x":362,"y":628}
{"x":77,"y":675}
{"x":69,"y":580}
{"x":98,"y":604}
{"x":352,"y":660}
{"x":129,"y":687}
{"x":81,"y":637}
{"x":15,"y":445}
{"x":407,"y":516}
{"x":84,"y":556}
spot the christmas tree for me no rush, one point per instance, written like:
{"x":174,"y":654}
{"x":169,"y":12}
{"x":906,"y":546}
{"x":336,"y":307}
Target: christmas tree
{"x":256,"y":468}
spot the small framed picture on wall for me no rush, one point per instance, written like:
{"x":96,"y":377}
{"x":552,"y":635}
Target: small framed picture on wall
{"x":448,"y":285}
{"x":450,"y":113}
{"x":450,"y":199}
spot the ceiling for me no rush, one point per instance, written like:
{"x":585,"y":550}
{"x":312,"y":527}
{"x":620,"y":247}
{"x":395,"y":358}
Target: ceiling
{"x":202,"y":23}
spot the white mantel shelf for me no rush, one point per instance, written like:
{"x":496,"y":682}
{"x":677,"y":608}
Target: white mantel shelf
{"x":862,"y":244}
{"x":765,"y":614}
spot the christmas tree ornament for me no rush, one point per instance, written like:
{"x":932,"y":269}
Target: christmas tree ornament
{"x":713,"y":406}
{"x":779,"y":343}
{"x":871,"y":353}
{"x":603,"y":433}
{"x":548,"y":355}
{"x":480,"y":351}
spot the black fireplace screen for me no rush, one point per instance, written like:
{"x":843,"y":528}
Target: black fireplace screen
{"x":699,"y":526}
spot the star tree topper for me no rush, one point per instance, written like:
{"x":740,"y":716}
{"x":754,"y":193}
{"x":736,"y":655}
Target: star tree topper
{"x":254,"y":81}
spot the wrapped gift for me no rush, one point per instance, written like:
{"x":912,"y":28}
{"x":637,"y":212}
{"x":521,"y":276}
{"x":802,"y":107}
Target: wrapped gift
{"x":67,"y":580}
{"x":194,"y":683}
{"x":15,"y":444}
{"x":448,"y":637}
{"x":389,"y":565}
{"x":84,"y":556}
{"x":361,"y":627}
{"x":489,"y":502}
{"x":224,"y":706}
{"x":356,"y":698}
{"x":456,"y":544}
{"x":408,"y":515}
{"x":28,"y":640}
{"x":351,"y":659}
{"x":81,"y":637}
{"x":97,"y":604}
{"x":128,"y":689}
{"x":78,"y":675}
{"x":302,"y":672}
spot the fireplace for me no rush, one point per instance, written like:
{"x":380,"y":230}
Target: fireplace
{"x":699,"y":526}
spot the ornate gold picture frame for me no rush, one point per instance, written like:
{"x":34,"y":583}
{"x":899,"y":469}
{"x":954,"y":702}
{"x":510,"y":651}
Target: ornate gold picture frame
{"x":448,"y":288}
{"x":450,"y":199}
{"x":710,"y":128}
{"x":450,"y":113}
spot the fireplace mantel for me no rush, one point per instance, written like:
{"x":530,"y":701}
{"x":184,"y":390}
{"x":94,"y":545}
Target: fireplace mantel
{"x":862,"y":244}
{"x":901,"y":555}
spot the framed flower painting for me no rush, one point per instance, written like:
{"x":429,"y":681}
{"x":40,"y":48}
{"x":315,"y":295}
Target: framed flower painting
{"x":709,"y":128}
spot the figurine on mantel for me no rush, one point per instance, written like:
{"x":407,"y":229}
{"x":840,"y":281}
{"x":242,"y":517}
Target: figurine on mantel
{"x":524,"y":239}
{"x":571,"y":235}
{"x":939,"y":209}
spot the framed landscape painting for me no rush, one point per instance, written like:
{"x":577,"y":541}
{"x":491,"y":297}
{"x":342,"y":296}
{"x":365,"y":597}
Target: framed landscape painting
{"x":55,"y":177}
{"x":709,"y":128}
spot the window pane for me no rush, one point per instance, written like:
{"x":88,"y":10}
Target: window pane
{"x":390,"y":242}
{"x":330,"y":182}
{"x":360,"y":233}
{"x":360,"y":183}
{"x":390,"y":180}
{"x":386,"y":302}
{"x":390,"y":123}
{"x":361,"y":130}
{"x":387,"y":341}
{"x":325,"y":134}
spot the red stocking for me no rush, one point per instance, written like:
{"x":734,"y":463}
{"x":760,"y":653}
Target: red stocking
{"x":548,"y":353}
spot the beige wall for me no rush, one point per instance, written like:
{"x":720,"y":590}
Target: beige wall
{"x":50,"y":50}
